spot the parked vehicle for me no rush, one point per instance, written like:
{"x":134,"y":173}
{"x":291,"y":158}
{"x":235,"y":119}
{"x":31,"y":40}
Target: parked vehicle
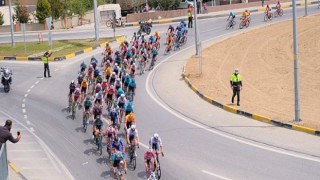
{"x":119,"y":23}
{"x":131,"y":6}
{"x":6,"y":78}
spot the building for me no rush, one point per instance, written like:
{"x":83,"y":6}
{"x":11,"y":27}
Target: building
{"x":22,"y":2}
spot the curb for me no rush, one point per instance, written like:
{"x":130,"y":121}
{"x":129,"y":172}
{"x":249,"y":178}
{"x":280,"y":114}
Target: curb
{"x":171,"y":20}
{"x":248,"y":114}
{"x":16,"y":170}
{"x":68,"y":56}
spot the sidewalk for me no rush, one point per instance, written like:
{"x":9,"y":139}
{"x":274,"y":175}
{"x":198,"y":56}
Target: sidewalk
{"x":223,"y":11}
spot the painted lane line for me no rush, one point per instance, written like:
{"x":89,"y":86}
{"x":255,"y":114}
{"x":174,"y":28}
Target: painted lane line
{"x":37,"y":82}
{"x":31,"y":129}
{"x":24,"y":110}
{"x":143,"y":145}
{"x":42,"y":78}
{"x":28,"y":122}
{"x":29,"y":90}
{"x":31,"y":86}
{"x":25,"y":150}
{"x":56,"y":69}
{"x":190,"y":121}
{"x":84,"y":163}
{"x":23,"y":105}
{"x":215,"y":175}
{"x":25,"y":116}
{"x":25,"y":95}
{"x":24,"y":100}
{"x":30,"y":159}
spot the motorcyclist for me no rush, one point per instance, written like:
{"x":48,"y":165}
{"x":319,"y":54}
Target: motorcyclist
{"x":6,"y":72}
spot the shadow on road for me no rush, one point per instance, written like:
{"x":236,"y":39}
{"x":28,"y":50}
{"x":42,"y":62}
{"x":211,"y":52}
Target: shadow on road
{"x":142,"y":174}
{"x":91,"y":151}
{"x":87,"y":141}
{"x":107,"y":174}
{"x":78,"y":129}
{"x":65,"y":110}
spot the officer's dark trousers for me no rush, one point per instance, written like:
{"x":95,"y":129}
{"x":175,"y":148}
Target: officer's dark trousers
{"x":46,"y":68}
{"x":190,"y":22}
{"x":236,"y":92}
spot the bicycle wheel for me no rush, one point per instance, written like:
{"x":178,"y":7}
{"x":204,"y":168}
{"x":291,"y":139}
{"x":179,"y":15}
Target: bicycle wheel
{"x":276,"y":13}
{"x":265,"y":18}
{"x":99,"y":145}
{"x":158,"y":46}
{"x":108,"y":23}
{"x":281,"y":12}
{"x":158,"y":173}
{"x":228,"y":26}
{"x":134,"y":162}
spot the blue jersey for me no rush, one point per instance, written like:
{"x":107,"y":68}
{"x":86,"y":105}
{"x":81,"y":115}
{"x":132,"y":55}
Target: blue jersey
{"x":119,"y":92}
{"x":127,"y":80}
{"x":232,"y":14}
{"x":179,"y":34}
{"x":117,"y":156}
{"x":118,"y":147}
{"x":133,"y":84}
{"x":113,"y":115}
{"x":129,"y":106}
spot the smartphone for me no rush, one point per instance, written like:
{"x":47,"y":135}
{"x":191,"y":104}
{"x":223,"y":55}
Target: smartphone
{"x":18,"y":133}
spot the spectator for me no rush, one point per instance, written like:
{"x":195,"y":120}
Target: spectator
{"x":190,"y":17}
{"x":6,"y":135}
{"x":45,"y":60}
{"x":198,"y":6}
{"x":262,"y":1}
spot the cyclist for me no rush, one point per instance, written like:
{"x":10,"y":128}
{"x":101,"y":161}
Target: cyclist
{"x":81,"y":77}
{"x":151,"y":39}
{"x":268,"y":11}
{"x":97,"y":111}
{"x":94,"y":62}
{"x":132,"y":87}
{"x":155,"y":144}
{"x":143,"y":40}
{"x":112,"y":78}
{"x":232,"y":15}
{"x":108,"y":49}
{"x":104,"y":86}
{"x":83,"y":66}
{"x":149,"y":161}
{"x":157,"y":36}
{"x":118,"y":84}
{"x":97,"y":89}
{"x":129,"y":106}
{"x":245,"y":16}
{"x":76,"y":97}
{"x":97,"y":127}
{"x":99,"y":98}
{"x":278,"y":6}
{"x":169,"y":41}
{"x":111,"y":133}
{"x":90,"y":73}
{"x":119,"y":92}
{"x":84,"y":89}
{"x":113,"y":114}
{"x":134,"y":37}
{"x":129,"y":121}
{"x":122,"y":101}
{"x":170,"y":30}
{"x":72,"y":88}
{"x":154,"y":54}
{"x":118,"y":159}
{"x":110,"y":95}
{"x":118,"y":145}
{"x":87,"y":106}
{"x":126,"y":82}
{"x":183,"y":23}
{"x":133,"y":137}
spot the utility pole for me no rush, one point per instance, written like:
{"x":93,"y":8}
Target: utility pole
{"x":96,"y":23}
{"x":13,"y":44}
{"x":305,"y":8}
{"x":195,"y":26}
{"x":296,"y":65}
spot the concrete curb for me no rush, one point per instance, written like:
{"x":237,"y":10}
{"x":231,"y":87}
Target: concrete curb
{"x":255,"y":9}
{"x":68,"y":56}
{"x":16,"y":170}
{"x":248,"y":114}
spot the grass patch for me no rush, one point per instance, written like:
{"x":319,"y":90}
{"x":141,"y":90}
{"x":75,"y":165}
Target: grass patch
{"x":59,"y":48}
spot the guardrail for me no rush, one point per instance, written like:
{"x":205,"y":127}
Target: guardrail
{"x":3,"y":163}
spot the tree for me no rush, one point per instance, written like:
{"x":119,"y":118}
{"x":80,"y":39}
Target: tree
{"x":164,"y":4}
{"x":21,"y":13}
{"x":43,"y":10}
{"x":79,"y":9}
{"x":1,"y":19}
{"x":56,"y":8}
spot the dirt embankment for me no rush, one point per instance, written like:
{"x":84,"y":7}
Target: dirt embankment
{"x":265,"y":60}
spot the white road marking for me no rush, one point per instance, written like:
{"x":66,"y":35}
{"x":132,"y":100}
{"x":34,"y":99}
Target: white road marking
{"x":31,"y":86}
{"x":27,"y":142}
{"x":31,"y":129}
{"x":182,"y":117}
{"x":25,"y":95}
{"x":42,"y":78}
{"x":143,"y":145}
{"x":29,"y":90}
{"x":28,"y":122}
{"x":25,"y":150}
{"x":23,"y":105}
{"x":37,"y":82}
{"x":25,"y":116}
{"x":24,"y":100}
{"x":84,"y":163}
{"x":30,"y":159}
{"x":24,"y":110}
{"x":56,"y":69}
{"x":215,"y":175}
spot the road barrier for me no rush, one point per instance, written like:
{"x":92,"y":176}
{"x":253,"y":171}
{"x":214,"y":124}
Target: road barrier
{"x":3,"y":163}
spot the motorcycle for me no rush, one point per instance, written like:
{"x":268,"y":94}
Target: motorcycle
{"x":145,"y":27}
{"x":119,"y":23}
{"x":6,"y":79}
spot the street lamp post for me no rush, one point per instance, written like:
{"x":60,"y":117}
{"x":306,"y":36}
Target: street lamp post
{"x":195,"y":26}
{"x":296,"y":65}
{"x":96,"y":24}
{"x":305,"y":8}
{"x":13,"y":44}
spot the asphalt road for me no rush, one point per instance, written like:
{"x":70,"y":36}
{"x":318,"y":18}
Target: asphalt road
{"x":194,"y":148}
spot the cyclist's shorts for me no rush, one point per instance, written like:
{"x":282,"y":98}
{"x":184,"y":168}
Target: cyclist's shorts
{"x":154,"y":56}
{"x":121,"y":104}
{"x":76,"y":98}
{"x":116,"y":163}
{"x":83,"y":89}
{"x":128,"y":125}
{"x":131,"y":89}
{"x":155,"y":146}
{"x":109,"y":97}
{"x":98,"y":100}
{"x":86,"y":108}
{"x":99,"y":127}
{"x":131,"y":137}
{"x":128,"y":112}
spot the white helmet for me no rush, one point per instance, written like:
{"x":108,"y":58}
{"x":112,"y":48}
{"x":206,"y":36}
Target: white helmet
{"x":155,"y":135}
{"x":133,"y":127}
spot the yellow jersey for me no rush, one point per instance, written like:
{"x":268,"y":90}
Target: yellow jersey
{"x":130,"y":117}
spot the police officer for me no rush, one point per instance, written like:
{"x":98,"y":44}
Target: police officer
{"x":45,"y":60}
{"x":236,"y":85}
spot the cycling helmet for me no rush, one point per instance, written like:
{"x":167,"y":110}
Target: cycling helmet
{"x":155,"y":135}
{"x":91,"y":66}
{"x":116,"y":138}
{"x":170,"y":26}
{"x":88,"y":98}
{"x":236,"y":70}
{"x":84,"y":80}
{"x":107,"y":44}
{"x":122,"y":95}
{"x":113,"y":73}
{"x":134,"y":64}
{"x":72,"y":81}
{"x":115,"y":103}
{"x":116,"y":64}
{"x":133,"y":127}
{"x":111,"y":87}
{"x":149,"y":150}
{"x":118,"y":79}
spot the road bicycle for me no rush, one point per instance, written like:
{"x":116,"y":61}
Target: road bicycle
{"x":268,"y":17}
{"x":167,"y":50}
{"x":85,"y":120}
{"x":73,"y":110}
{"x":70,"y":101}
{"x":141,"y":67}
{"x":153,"y":61}
{"x":152,"y":176}
{"x":244,"y":24}
{"x":98,"y":141}
{"x":278,"y":12}
{"x":231,"y":23}
{"x":132,"y":156}
{"x":118,"y":174}
{"x":157,"y":168}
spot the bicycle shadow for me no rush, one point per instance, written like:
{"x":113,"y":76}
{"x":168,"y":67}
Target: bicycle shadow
{"x":65,"y":110}
{"x":87,"y":141}
{"x":91,"y":151}
{"x":142,"y":174}
{"x":78,"y":129}
{"x":107,"y":174}
{"x":70,"y":117}
{"x":102,"y":160}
